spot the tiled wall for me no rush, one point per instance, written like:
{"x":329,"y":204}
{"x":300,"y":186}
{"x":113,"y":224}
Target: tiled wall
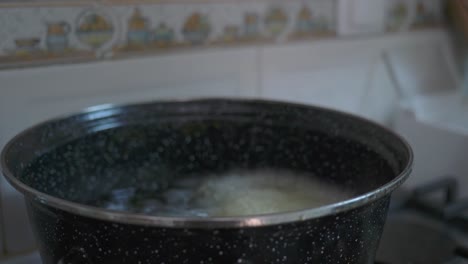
{"x":413,"y":14}
{"x":69,"y":31}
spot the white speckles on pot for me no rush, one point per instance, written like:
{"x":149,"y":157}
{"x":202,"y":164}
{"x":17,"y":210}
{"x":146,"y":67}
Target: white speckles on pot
{"x":255,"y":245}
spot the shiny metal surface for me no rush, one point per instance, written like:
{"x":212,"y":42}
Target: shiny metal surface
{"x":106,"y":116}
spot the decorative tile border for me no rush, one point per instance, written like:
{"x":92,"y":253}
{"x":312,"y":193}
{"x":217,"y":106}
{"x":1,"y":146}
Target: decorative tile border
{"x":45,"y":32}
{"x":413,"y":14}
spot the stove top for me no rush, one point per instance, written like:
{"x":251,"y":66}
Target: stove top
{"x":426,"y":225}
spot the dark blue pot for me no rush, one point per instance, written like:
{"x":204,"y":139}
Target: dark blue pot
{"x":63,"y":166}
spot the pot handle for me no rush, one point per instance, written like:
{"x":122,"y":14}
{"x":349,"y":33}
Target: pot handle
{"x":455,"y":209}
{"x":460,"y":256}
{"x":451,"y":208}
{"x":447,"y":185}
{"x":76,"y":255}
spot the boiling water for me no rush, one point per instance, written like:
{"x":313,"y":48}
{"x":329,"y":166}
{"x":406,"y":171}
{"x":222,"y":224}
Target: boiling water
{"x":237,"y":193}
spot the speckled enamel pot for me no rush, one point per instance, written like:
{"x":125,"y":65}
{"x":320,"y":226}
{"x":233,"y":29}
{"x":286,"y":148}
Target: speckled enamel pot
{"x":65,"y":164}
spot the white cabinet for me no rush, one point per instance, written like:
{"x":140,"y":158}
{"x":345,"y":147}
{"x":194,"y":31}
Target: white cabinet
{"x":381,"y":96}
{"x":423,"y":69}
{"x":29,"y":96}
{"x":348,"y":75}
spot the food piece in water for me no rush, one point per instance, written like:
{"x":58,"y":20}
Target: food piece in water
{"x":233,"y":194}
{"x":264,"y":192}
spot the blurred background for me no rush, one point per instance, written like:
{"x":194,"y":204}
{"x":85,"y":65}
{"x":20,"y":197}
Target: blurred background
{"x":402,"y":63}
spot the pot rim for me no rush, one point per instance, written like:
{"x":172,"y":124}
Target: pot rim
{"x":213,"y":222}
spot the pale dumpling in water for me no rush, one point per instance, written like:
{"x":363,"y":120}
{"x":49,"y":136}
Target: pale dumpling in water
{"x":257,"y":201}
{"x":264,"y":192}
{"x":231,"y":194}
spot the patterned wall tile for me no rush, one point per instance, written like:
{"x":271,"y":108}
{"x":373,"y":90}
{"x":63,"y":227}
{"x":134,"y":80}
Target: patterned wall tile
{"x":36,"y":34}
{"x":414,"y":14}
{"x":427,"y":13}
{"x":398,"y":15}
{"x":39,"y":33}
{"x":313,"y":19}
{"x":96,"y":29}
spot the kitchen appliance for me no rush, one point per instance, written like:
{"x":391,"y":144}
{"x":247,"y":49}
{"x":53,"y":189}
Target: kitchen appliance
{"x":64,"y":164}
{"x":427,"y":224}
